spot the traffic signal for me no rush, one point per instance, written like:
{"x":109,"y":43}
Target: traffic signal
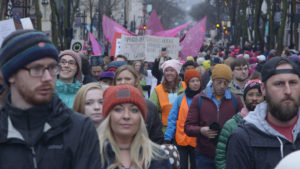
{"x":217,"y":25}
{"x":226,"y":32}
{"x":144,"y":27}
{"x":224,"y":27}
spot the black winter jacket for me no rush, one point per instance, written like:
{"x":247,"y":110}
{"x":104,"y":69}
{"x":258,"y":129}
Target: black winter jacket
{"x":153,"y":123}
{"x":46,"y":137}
{"x":162,"y":163}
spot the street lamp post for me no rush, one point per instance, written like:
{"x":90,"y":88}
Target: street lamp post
{"x":125,"y":16}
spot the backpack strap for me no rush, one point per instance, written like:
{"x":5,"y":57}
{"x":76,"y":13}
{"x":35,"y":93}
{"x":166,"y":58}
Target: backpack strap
{"x":234,"y":102}
{"x":200,"y":100}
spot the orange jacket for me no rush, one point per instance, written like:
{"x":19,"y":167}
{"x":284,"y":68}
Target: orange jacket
{"x":164,"y":102}
{"x":181,"y":138}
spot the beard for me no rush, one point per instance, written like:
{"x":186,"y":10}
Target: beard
{"x":32,"y":97}
{"x":251,"y":106}
{"x":283,"y":111}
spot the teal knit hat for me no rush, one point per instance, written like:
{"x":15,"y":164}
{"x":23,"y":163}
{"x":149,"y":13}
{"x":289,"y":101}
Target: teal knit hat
{"x":23,"y":47}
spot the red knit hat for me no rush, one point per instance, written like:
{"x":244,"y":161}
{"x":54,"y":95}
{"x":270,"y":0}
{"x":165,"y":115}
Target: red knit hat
{"x":189,"y":74}
{"x":115,"y":95}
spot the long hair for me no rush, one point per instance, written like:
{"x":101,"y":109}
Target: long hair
{"x":79,"y":102}
{"x":142,"y":149}
{"x":141,"y":75}
{"x":168,"y":88}
{"x":132,"y":71}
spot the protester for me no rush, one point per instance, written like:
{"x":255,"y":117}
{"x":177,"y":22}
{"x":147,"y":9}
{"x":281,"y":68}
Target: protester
{"x":69,"y":78}
{"x":97,"y":64}
{"x":272,"y":130}
{"x":252,"y":97}
{"x":124,"y":142}
{"x":107,"y":77}
{"x":165,"y":93}
{"x":126,"y":75}
{"x":37,"y":129}
{"x":185,"y":145}
{"x":89,"y":100}
{"x":156,"y":68}
{"x":207,"y":114}
{"x":240,"y":70}
{"x":206,"y":77}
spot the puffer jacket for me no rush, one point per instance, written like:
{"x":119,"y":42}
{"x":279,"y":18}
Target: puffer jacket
{"x":256,"y":145}
{"x":46,"y":137}
{"x":229,"y":126}
{"x":67,"y":91}
{"x":209,"y":113}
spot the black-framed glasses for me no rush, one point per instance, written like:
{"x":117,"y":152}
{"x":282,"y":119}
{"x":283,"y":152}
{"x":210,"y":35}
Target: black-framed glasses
{"x":38,"y":71}
{"x":70,"y":62}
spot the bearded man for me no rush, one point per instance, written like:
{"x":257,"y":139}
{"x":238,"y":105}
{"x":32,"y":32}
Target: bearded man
{"x":272,"y":130}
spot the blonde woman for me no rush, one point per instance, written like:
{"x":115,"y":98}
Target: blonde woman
{"x":89,"y":101}
{"x":123,"y":136}
{"x":126,"y":75}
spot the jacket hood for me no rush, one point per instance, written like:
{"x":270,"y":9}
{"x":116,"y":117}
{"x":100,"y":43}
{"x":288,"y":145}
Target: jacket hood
{"x":258,"y":119}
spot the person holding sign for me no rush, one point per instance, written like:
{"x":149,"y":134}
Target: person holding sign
{"x":156,"y":71}
{"x":165,"y":93}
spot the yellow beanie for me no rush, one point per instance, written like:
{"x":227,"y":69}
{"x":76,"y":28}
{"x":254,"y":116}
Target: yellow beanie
{"x":221,"y":71}
{"x":206,"y":64}
{"x":190,"y":58}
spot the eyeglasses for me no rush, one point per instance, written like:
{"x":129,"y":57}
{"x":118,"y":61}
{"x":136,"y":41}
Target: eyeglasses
{"x":38,"y":71}
{"x":70,"y":62}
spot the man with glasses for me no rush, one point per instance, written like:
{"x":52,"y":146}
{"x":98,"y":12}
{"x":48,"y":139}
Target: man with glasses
{"x":36,"y":129}
{"x":240,"y":70}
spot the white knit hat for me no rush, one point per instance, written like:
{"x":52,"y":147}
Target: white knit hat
{"x":291,"y":161}
{"x":173,"y":63}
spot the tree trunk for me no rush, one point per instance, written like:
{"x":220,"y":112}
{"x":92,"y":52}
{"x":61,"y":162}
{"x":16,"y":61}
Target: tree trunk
{"x":38,"y":15}
{"x":54,"y":23}
{"x":257,"y":14}
{"x":296,"y":36}
{"x":2,"y":9}
{"x":282,"y":25}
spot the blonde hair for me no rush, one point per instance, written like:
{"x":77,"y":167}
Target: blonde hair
{"x":142,"y":149}
{"x":79,"y":102}
{"x":132,"y":71}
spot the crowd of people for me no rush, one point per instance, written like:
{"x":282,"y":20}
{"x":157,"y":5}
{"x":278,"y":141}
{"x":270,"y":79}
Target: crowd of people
{"x":225,"y":108}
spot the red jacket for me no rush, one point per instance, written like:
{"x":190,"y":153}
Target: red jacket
{"x":207,"y":115}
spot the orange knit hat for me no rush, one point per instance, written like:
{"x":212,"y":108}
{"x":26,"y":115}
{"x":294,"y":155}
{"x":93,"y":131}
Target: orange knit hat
{"x":189,"y":74}
{"x":115,"y":95}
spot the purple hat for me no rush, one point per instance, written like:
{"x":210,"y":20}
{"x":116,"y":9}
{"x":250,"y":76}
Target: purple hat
{"x":107,"y":74}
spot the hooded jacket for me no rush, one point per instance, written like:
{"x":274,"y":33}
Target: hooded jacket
{"x":47,"y":136}
{"x":256,"y":145}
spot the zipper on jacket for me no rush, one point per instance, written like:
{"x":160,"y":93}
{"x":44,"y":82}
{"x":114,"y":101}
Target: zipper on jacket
{"x":33,"y":157}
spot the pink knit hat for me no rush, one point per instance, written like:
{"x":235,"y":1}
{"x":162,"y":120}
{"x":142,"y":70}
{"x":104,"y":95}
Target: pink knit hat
{"x":173,"y":63}
{"x":77,"y":59}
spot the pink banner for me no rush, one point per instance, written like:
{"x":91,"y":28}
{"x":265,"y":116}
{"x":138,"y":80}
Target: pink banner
{"x":153,"y":24}
{"x":171,"y":32}
{"x":191,"y":44}
{"x":110,"y":27}
{"x":97,"y":50}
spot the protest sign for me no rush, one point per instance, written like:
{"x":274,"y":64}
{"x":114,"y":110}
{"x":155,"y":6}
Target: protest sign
{"x":138,"y":47}
{"x":6,"y":27}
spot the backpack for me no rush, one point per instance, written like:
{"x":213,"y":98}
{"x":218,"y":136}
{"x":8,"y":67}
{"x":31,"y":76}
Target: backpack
{"x":233,"y":99}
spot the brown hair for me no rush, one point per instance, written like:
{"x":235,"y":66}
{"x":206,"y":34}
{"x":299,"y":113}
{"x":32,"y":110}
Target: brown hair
{"x":166,"y":84}
{"x":132,"y":71}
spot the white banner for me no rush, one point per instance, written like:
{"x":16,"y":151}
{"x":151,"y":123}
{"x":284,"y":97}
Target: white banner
{"x":138,"y":47}
{"x":6,"y":27}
